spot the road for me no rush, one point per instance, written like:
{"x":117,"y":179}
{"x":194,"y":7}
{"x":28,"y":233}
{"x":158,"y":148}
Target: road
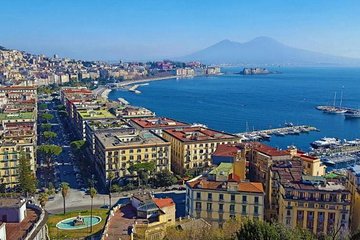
{"x":65,"y":165}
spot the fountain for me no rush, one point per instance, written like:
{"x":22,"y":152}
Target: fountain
{"x":78,"y":222}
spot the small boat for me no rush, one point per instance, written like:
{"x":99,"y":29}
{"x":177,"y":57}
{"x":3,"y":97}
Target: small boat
{"x":352,"y":114}
{"x":264,"y":135}
{"x":326,"y":143}
{"x":280,"y":134}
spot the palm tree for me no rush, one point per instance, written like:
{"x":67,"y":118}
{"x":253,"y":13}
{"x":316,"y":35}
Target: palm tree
{"x":43,"y":198}
{"x":110,"y":177}
{"x":64,"y":191}
{"x":92,"y":192}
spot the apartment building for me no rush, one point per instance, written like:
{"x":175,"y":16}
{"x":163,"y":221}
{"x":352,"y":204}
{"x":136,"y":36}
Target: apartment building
{"x":310,"y":202}
{"x":353,"y":183}
{"x":191,"y":147}
{"x":220,"y":196}
{"x":157,"y":124}
{"x":117,"y":150}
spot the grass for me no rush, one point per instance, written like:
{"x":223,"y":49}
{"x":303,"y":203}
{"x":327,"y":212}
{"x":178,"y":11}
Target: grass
{"x":56,"y":233}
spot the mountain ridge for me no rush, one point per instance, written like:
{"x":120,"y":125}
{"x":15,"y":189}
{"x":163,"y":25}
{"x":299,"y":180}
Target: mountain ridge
{"x":264,"y":51}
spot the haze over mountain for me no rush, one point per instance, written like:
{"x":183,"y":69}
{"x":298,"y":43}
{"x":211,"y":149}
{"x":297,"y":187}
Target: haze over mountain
{"x":264,"y":50}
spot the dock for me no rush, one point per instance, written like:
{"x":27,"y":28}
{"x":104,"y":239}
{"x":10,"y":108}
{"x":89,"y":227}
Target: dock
{"x":281,"y":132}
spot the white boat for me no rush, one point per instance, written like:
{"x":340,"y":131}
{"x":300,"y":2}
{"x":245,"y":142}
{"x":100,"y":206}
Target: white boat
{"x":326,"y":143}
{"x":352,"y":114}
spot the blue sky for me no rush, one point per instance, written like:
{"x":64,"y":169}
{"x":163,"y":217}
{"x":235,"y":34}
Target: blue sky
{"x":154,"y":29}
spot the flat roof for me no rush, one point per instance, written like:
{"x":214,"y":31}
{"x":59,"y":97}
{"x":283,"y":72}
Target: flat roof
{"x":204,"y":183}
{"x":98,"y":124}
{"x":158,"y":122}
{"x":225,"y":168}
{"x":11,"y":202}
{"x":194,"y":134}
{"x":93,"y":114}
{"x":128,"y":137}
{"x":20,"y":115}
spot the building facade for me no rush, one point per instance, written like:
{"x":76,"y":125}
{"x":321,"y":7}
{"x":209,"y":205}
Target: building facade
{"x":191,"y":147}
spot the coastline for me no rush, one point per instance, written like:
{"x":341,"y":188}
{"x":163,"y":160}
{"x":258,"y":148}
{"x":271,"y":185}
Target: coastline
{"x":130,"y":82}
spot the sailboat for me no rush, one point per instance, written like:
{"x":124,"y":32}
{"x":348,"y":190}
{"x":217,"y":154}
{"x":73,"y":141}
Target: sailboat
{"x":334,"y":109}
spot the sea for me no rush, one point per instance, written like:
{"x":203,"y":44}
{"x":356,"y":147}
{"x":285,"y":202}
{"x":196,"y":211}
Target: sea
{"x":236,"y":103}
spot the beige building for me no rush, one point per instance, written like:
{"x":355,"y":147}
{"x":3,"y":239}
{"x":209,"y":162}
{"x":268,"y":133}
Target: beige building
{"x":219,"y":196}
{"x":309,"y":202}
{"x":117,"y":150}
{"x":191,"y":147}
{"x":354,"y":187}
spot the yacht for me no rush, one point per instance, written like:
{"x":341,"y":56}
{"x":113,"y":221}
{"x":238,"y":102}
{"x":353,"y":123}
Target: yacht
{"x":326,"y":143}
{"x":352,"y":114}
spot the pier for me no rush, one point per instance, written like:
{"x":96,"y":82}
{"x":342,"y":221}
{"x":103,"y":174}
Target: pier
{"x":283,"y":131}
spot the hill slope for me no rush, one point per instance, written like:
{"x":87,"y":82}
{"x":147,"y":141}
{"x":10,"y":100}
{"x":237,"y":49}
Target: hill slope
{"x":264,"y":50}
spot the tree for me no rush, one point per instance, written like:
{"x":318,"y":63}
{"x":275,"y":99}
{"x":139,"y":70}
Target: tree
{"x":27,"y":180}
{"x":43,"y":106}
{"x":78,"y":145}
{"x":51,"y":189}
{"x":143,"y":170}
{"x":47,"y":116}
{"x":61,"y":107}
{"x":49,"y":152}
{"x":164,"y":179}
{"x":64,"y":191}
{"x":267,"y":231}
{"x":93,"y":193}
{"x":49,"y":135}
{"x":46,"y":126}
{"x":110,"y":178}
{"x":43,"y":198}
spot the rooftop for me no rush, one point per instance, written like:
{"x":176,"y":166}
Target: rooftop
{"x":128,"y":137}
{"x":227,"y":150}
{"x":223,"y":168}
{"x":21,"y":230}
{"x":270,"y":151}
{"x":107,"y":124}
{"x":194,"y":134}
{"x":356,"y":170}
{"x":19,"y":115}
{"x":11,"y":202}
{"x":94,"y":114}
{"x":158,"y":122}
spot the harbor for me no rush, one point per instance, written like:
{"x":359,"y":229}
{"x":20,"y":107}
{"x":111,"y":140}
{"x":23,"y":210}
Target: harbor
{"x":281,"y":132}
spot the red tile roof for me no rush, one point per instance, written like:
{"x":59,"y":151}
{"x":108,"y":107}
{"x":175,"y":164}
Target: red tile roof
{"x":203,"y":183}
{"x":193,"y":134}
{"x":163,"y":202}
{"x":270,"y":151}
{"x":158,"y":122}
{"x":227,"y":150}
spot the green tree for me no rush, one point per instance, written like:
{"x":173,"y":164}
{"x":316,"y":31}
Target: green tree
{"x":51,"y":189}
{"x":64,"y":191}
{"x":49,"y":135}
{"x":164,"y":179}
{"x":46,"y":126}
{"x":267,"y":231}
{"x":93,"y":193}
{"x":27,"y":180}
{"x":78,"y":145}
{"x":49,"y":151}
{"x":43,"y":198}
{"x":61,"y":107}
{"x":43,"y":106}
{"x":143,"y":170}
{"x":47,"y":116}
{"x":111,"y":177}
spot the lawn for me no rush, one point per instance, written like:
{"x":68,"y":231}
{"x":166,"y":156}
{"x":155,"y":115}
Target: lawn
{"x":56,"y":233}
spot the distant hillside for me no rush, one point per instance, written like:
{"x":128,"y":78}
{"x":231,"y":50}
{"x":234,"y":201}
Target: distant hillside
{"x":3,"y":49}
{"x":264,"y":50}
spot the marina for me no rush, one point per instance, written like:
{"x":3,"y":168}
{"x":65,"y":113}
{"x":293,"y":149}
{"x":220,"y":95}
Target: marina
{"x":266,"y":134}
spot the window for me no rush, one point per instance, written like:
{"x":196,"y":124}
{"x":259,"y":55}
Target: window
{"x":209,"y":206}
{"x":232,"y":208}
{"x":198,"y":195}
{"x":131,"y":150}
{"x":256,"y":210}
{"x":244,"y":198}
{"x":221,"y":197}
{"x":243,"y":210}
{"x":288,"y":212}
{"x":209,"y":196}
{"x":256,"y":200}
{"x":198,"y":206}
{"x":221,"y":207}
{"x":232,"y":197}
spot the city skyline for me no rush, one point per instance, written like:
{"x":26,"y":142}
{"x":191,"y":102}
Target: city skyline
{"x":111,"y":30}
